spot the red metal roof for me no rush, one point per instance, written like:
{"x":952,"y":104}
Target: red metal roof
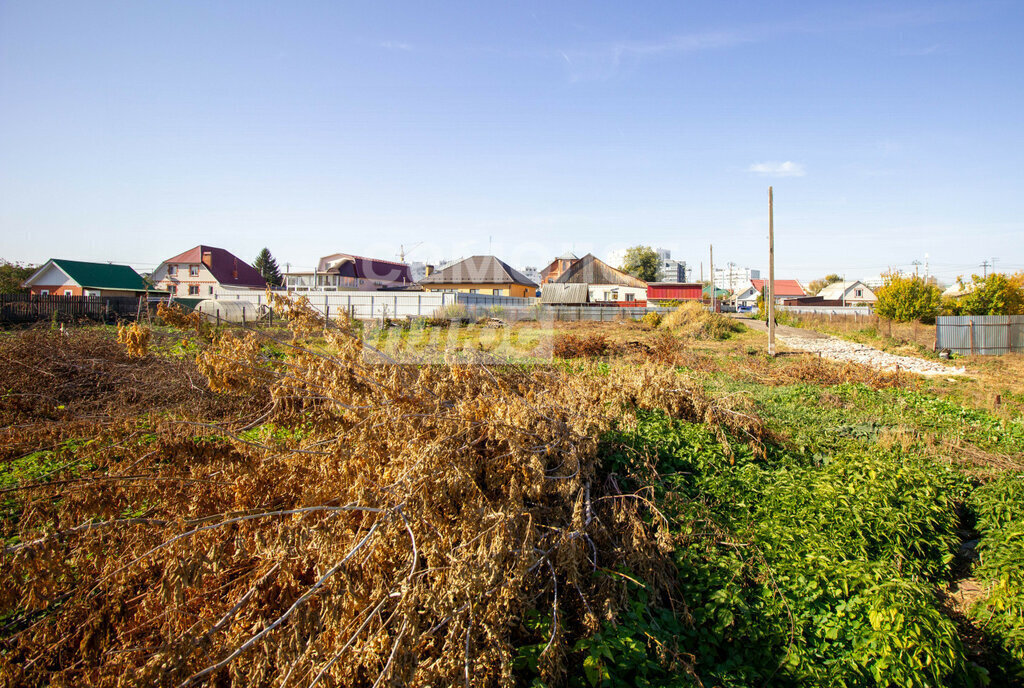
{"x":782,"y":287}
{"x":226,"y":267}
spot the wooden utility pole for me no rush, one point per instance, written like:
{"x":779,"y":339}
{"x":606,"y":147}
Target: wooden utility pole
{"x":711,"y":266}
{"x":771,"y":275}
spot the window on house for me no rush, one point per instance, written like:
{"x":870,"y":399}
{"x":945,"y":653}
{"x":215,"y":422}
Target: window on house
{"x":859,"y":292}
{"x":67,"y":292}
{"x":44,"y":292}
{"x":193,"y":270}
{"x":210,"y":290}
{"x":474,"y":291}
{"x":193,"y":290}
{"x":497,"y":292}
{"x":172,"y":270}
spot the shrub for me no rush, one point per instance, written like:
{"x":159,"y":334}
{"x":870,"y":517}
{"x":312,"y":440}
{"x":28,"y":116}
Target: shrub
{"x":906,"y":298}
{"x":995,"y":294}
{"x":652,"y":319}
{"x":999,"y":507}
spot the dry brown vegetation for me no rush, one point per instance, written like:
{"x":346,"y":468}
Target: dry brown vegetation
{"x":288,"y":514}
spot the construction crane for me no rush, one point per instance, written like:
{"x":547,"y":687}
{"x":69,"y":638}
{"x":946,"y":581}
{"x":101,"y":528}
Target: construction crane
{"x":402,"y":251}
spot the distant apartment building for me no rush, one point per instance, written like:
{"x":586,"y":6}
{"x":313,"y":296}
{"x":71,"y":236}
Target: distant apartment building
{"x":670,"y":270}
{"x":531,"y":272}
{"x":733,"y":277}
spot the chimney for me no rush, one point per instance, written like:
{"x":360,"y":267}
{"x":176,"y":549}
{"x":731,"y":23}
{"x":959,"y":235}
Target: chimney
{"x":207,"y":258}
{"x":429,"y":270}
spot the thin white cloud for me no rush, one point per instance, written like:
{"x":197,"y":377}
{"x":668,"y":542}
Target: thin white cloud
{"x":396,"y":45}
{"x":778,"y":169}
{"x":604,"y":60}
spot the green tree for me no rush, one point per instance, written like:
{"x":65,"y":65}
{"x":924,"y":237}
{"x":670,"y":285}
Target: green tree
{"x":817,"y":285}
{"x":996,"y":294}
{"x":642,"y":262}
{"x":908,"y":297}
{"x":12,"y":275}
{"x":267,"y":266}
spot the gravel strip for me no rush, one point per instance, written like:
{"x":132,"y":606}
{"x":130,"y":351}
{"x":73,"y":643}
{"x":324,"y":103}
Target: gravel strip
{"x":844,"y":350}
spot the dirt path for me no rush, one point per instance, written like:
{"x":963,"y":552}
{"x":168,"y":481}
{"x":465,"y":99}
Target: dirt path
{"x":844,"y":350}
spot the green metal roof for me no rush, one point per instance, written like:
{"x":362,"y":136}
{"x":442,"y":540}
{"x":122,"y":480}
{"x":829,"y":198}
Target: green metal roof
{"x":102,"y":275}
{"x":719,"y":292}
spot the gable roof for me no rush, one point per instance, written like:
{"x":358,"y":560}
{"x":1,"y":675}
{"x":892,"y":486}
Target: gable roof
{"x":837,"y":289}
{"x":556,"y":292}
{"x":719,"y":292}
{"x":479,"y":270}
{"x":96,"y":275}
{"x":226,"y":267}
{"x":782,"y":287}
{"x":590,"y":270}
{"x":349,"y":265}
{"x":748,"y":293}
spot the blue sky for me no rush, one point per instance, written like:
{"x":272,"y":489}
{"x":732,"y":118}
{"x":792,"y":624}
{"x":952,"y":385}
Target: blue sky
{"x":132,"y":131}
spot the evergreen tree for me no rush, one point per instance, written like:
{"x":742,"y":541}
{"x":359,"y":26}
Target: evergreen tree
{"x":267,"y":266}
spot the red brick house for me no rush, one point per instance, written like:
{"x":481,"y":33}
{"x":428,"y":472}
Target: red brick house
{"x":61,"y":277}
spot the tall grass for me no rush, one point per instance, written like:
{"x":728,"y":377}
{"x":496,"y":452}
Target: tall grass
{"x":693,"y":320}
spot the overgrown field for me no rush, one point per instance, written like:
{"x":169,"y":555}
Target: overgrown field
{"x":659,"y":505}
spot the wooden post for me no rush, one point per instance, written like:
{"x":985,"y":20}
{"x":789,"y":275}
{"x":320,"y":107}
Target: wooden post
{"x":218,"y":317}
{"x":711,"y":267}
{"x":243,"y":316}
{"x":771,"y":274}
{"x":971,"y":325}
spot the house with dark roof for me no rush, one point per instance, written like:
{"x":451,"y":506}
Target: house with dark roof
{"x":481,"y":275}
{"x":344,"y":272}
{"x":207,"y":272}
{"x":605,"y":284}
{"x":61,"y":277}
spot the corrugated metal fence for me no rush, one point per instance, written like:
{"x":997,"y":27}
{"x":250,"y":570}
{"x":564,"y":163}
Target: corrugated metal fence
{"x":828,"y":310}
{"x":421,"y":304}
{"x":567,"y":313}
{"x":400,"y":305}
{"x":980,"y":334}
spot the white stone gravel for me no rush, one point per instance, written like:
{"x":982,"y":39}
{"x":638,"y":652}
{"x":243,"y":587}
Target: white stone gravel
{"x":844,"y":350}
